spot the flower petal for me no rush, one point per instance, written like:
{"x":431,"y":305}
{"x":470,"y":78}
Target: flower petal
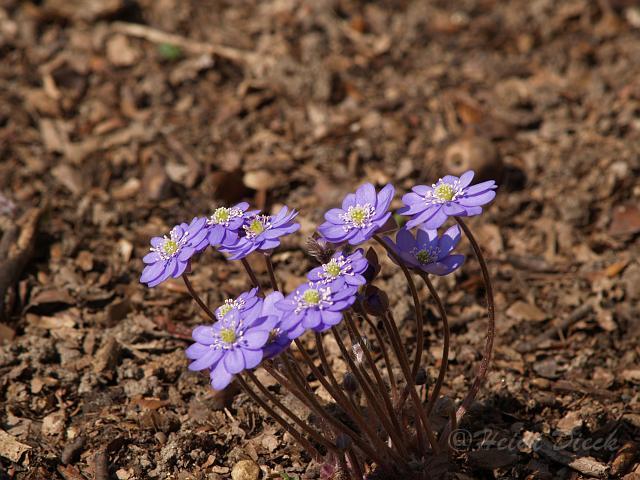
{"x":466,"y":178}
{"x":477,"y":200}
{"x":152,"y":272}
{"x":206,"y":360}
{"x":220,"y":377}
{"x":256,"y":338}
{"x":234,"y":361}
{"x":334,"y":215}
{"x":366,"y":194}
{"x":384,"y":200}
{"x":252,"y":358}
{"x":151,"y":257}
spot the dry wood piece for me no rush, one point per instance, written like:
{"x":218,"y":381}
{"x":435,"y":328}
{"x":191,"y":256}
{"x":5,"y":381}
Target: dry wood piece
{"x":191,"y":46}
{"x":10,"y":448}
{"x":16,"y":248}
{"x":586,"y":465}
{"x":72,"y":450}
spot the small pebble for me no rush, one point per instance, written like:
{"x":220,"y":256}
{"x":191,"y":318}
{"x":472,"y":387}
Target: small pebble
{"x":245,"y":470}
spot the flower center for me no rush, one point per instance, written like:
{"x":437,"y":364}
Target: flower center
{"x":358,"y":216}
{"x":226,"y":308}
{"x":227,"y":335}
{"x":426,"y":256}
{"x":223,"y":215}
{"x":311,"y":297}
{"x":257,"y":226}
{"x":170,"y":247}
{"x":332,"y":269}
{"x":445,"y":192}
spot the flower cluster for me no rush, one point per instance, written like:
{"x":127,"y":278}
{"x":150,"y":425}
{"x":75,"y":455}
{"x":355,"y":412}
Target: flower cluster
{"x":256,"y":326}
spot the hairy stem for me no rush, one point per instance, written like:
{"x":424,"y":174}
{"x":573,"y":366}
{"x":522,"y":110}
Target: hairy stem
{"x":416,"y":303}
{"x":365,"y":383}
{"x":344,"y":402}
{"x":491,"y":330}
{"x":197,"y":298}
{"x":273,"y":414}
{"x":272,"y":273}
{"x":412,"y":390}
{"x":301,"y":423}
{"x":382,"y":388}
{"x":385,"y":353}
{"x":445,"y":342}
{"x":250,"y":272}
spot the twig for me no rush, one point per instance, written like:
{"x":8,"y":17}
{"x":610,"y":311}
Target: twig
{"x":16,"y":249}
{"x":192,"y":46}
{"x":101,"y":465}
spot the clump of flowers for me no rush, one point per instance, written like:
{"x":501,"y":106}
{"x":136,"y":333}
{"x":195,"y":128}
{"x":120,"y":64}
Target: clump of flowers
{"x":380,"y":422}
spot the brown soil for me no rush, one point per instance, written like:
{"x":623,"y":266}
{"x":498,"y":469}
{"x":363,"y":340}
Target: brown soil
{"x":112,"y":130}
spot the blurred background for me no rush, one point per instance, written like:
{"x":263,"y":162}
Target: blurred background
{"x":120,"y":118}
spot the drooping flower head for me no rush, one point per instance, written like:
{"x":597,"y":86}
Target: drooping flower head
{"x":262,"y":232}
{"x":427,"y":251}
{"x":315,"y":306}
{"x":362,"y":214}
{"x":170,"y":255}
{"x":224,"y":224}
{"x":247,"y":303}
{"x":341,"y":269}
{"x":229,"y":346}
{"x":272,"y":316}
{"x":449,"y":196}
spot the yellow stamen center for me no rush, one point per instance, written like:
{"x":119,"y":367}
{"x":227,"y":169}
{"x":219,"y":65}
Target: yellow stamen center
{"x":170,"y":247}
{"x":311,"y":297}
{"x":444,"y":191}
{"x":227,"y":335}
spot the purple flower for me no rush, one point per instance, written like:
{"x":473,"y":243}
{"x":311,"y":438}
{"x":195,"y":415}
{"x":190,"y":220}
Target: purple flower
{"x":361,"y":215}
{"x":315,"y":306}
{"x":279,"y":339}
{"x":170,"y":256}
{"x":229,"y":346}
{"x":247,"y":303}
{"x":427,"y":251}
{"x":341,"y":269}
{"x":225,"y":223}
{"x":449,"y":196}
{"x":262,"y":232}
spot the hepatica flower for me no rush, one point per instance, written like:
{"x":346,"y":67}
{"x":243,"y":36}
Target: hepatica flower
{"x":449,"y":196}
{"x":224,"y":224}
{"x":361,"y":215}
{"x":315,"y":306}
{"x":272,"y":317}
{"x":229,"y":346}
{"x":246,"y":303}
{"x":262,"y":232}
{"x":170,"y":255}
{"x":427,"y":251}
{"x":341,"y":269}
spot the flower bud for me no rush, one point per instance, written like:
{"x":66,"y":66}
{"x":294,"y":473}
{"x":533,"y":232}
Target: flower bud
{"x":343,"y":441}
{"x":319,"y":249}
{"x":349,"y":382}
{"x":376,"y":302}
{"x":421,"y":376}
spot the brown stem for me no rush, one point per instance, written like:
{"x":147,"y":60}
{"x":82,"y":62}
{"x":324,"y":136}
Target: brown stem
{"x":197,"y":298}
{"x":416,"y":303}
{"x":414,"y":395}
{"x":365,"y":384}
{"x":382,"y":388}
{"x":355,"y":464}
{"x":310,"y":401}
{"x":385,"y":353}
{"x":344,"y":402}
{"x":272,"y":273}
{"x":250,"y":272}
{"x":445,"y":342}
{"x":403,"y":360}
{"x":301,"y":423}
{"x":488,"y":348}
{"x":283,"y":423}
